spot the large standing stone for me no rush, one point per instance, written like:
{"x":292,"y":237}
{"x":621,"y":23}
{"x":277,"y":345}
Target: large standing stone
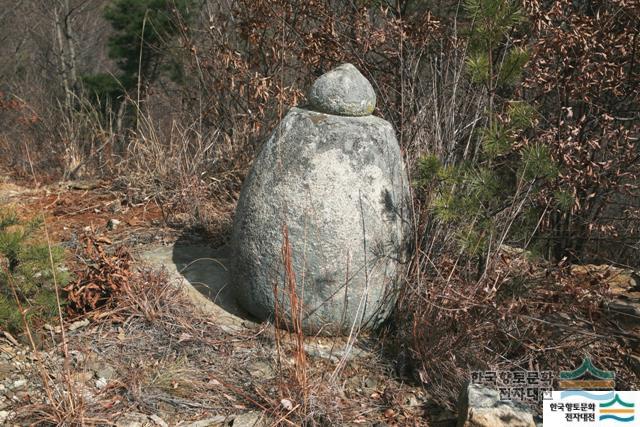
{"x":338,"y":184}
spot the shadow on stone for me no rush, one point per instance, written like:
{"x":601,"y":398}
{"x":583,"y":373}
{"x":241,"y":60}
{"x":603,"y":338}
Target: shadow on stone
{"x":207,"y":270}
{"x":203,"y":267}
{"x":204,"y":274}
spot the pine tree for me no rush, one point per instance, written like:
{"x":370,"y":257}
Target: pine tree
{"x":472,"y":195}
{"x":25,"y":267}
{"x":143,"y":30}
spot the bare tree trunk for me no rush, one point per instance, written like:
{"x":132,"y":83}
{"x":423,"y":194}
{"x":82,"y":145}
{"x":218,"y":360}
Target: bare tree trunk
{"x":68,"y":32}
{"x":62,"y":57}
{"x":66,"y":50}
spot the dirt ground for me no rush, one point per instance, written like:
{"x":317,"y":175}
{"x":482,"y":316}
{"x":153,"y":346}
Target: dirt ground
{"x":154,"y":358}
{"x":163,"y":354}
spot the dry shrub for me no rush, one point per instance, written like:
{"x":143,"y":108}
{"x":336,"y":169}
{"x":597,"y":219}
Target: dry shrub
{"x":512,"y":312}
{"x":193,"y":173}
{"x":101,"y":277}
{"x":107,"y":284}
{"x":258,"y":58}
{"x":523,"y":314}
{"x":45,"y":138}
{"x":583,"y":75}
{"x":17,"y":122}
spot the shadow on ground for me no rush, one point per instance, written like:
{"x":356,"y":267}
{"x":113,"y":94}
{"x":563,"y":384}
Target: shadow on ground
{"x":206,"y":269}
{"x":204,"y":273}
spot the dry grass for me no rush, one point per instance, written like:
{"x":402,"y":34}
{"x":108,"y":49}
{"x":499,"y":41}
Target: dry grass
{"x":193,"y":174}
{"x":170,"y":359}
{"x":523,"y":314}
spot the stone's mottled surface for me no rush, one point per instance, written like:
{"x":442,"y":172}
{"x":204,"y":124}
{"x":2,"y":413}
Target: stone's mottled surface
{"x":251,"y":419}
{"x":480,"y":406}
{"x":339,"y":185}
{"x":217,"y":421}
{"x":343,"y":91}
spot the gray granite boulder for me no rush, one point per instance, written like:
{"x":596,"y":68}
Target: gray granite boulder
{"x":337,"y":183}
{"x":343,"y":91}
{"x":480,"y":406}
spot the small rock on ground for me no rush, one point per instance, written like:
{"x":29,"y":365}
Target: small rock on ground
{"x":217,"y":421}
{"x":251,"y":419}
{"x":481,"y":406}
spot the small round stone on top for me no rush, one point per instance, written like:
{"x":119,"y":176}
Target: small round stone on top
{"x":343,"y":91}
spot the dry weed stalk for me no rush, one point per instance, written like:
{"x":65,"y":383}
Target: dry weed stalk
{"x":296,"y":309}
{"x":292,"y":323}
